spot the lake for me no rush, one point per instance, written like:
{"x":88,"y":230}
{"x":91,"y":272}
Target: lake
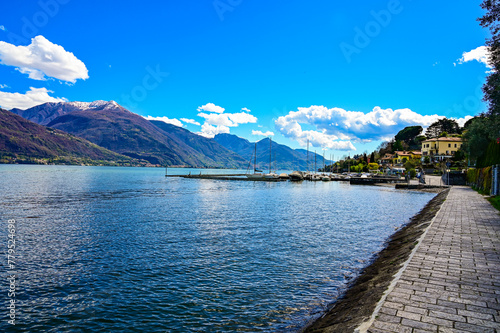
{"x":127,"y":249}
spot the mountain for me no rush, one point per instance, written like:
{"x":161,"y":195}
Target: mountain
{"x":111,"y":126}
{"x":283,"y":157}
{"x":211,"y":151}
{"x":43,"y":114}
{"x":24,"y":141}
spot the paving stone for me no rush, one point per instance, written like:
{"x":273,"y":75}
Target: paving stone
{"x":419,"y":324}
{"x":391,"y":327}
{"x":474,"y":328}
{"x":437,"y":321}
{"x":446,"y":315}
{"x":413,"y":309}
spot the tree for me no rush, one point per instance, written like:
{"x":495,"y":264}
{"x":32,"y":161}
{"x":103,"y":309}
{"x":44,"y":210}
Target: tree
{"x":459,"y":156}
{"x":399,"y":146}
{"x":491,"y":88}
{"x":483,"y":133}
{"x":449,"y":126}
{"x":409,"y":134}
{"x":480,"y":133}
{"x":476,"y":138}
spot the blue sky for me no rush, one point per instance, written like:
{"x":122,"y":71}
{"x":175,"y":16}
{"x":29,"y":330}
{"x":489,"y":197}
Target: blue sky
{"x":343,"y":75}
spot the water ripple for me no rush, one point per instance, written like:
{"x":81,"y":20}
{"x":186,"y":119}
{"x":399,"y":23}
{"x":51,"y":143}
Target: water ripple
{"x":103,"y":249}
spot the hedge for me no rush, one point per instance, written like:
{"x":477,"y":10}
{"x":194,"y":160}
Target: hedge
{"x":480,"y":179}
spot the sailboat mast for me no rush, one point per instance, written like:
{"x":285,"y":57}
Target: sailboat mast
{"x":255,"y":158}
{"x":307,"y":155}
{"x":270,"y":156}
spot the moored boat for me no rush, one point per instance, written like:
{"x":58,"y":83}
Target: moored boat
{"x":296,"y":176}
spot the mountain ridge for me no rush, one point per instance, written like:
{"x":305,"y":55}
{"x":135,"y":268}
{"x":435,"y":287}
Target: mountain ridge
{"x":23,"y":141}
{"x":113,"y":127}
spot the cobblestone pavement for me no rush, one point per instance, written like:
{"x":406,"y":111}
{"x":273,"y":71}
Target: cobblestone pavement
{"x":452,"y":281}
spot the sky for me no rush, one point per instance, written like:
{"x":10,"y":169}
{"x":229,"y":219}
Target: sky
{"x":344,"y":76}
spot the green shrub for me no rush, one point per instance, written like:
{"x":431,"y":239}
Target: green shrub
{"x":412,"y":172}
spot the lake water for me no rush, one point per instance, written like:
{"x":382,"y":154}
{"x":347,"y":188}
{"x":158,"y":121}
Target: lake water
{"x":126,"y":249}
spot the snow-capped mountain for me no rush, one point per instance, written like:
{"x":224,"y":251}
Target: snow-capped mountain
{"x":43,"y":114}
{"x":101,"y":105}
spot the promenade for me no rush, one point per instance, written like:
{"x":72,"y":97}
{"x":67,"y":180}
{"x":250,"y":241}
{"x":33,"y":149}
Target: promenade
{"x":451,"y":283}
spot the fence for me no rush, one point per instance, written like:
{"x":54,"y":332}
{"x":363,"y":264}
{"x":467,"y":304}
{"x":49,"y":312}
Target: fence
{"x":495,"y":186}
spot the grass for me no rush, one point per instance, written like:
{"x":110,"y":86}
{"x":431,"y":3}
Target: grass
{"x":495,"y":201}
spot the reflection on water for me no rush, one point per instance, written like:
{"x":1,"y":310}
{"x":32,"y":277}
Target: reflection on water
{"x":102,"y":248}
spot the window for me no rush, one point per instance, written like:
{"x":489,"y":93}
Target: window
{"x":449,"y":145}
{"x":455,"y":145}
{"x":447,"y":153}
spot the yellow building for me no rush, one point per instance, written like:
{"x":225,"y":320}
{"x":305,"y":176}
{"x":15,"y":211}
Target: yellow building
{"x":439,"y":149}
{"x":400,"y":157}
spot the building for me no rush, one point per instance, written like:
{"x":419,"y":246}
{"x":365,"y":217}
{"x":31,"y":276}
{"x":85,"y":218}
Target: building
{"x":400,"y":157}
{"x":439,"y":149}
{"x":387,"y":159}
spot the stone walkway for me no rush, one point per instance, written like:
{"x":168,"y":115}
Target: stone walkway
{"x":452,"y":281}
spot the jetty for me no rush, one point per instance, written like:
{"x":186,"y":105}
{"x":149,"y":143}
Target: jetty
{"x":433,"y":182}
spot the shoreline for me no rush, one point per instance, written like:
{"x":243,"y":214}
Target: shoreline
{"x":362,"y":295}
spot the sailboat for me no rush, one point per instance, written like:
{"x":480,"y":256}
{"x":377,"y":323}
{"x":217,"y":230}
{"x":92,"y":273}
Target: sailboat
{"x":257,"y":174}
{"x":271,"y":174}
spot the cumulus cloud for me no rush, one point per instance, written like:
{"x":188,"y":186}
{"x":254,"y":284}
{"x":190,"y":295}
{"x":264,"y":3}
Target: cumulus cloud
{"x":2,"y":86}
{"x":211,"y":107}
{"x":209,"y":131}
{"x":190,"y":121}
{"x":167,"y":120}
{"x":480,"y":54}
{"x":33,"y":97}
{"x":462,"y":121}
{"x":42,"y":59}
{"x":228,"y":119}
{"x":331,"y":125}
{"x":219,"y":122}
{"x":268,"y":133}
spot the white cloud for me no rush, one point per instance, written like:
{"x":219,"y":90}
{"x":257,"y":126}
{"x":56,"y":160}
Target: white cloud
{"x":268,"y":133}
{"x":3,"y":28}
{"x":219,"y":122}
{"x":209,"y":131}
{"x":43,"y":59}
{"x":480,"y":54}
{"x":462,"y":121}
{"x":33,"y":97}
{"x":228,"y":119}
{"x":211,"y":107}
{"x":2,"y":86}
{"x":167,"y":120}
{"x":331,"y":125}
{"x":190,"y":121}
